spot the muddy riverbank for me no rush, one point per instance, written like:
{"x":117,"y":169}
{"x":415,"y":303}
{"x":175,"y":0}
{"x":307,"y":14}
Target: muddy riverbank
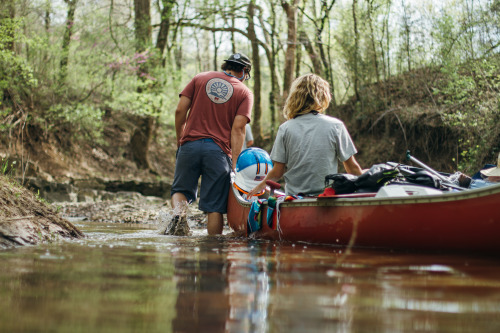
{"x":26,"y":219}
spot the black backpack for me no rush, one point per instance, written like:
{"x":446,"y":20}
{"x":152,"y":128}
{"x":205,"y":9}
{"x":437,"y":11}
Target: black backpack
{"x":370,"y":181}
{"x":424,"y":178}
{"x":378,"y":175}
{"x":343,"y":183}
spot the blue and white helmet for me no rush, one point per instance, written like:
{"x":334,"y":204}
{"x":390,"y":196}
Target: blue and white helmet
{"x":252,"y":166}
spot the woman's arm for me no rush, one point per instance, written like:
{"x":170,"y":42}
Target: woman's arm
{"x":352,"y":166}
{"x":275,"y":174}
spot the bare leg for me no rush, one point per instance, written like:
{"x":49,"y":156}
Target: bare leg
{"x":178,"y":225}
{"x":178,"y":200}
{"x":215,"y":223}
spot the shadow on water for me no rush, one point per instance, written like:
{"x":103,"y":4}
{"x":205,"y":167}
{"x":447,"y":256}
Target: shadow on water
{"x":128,"y":278}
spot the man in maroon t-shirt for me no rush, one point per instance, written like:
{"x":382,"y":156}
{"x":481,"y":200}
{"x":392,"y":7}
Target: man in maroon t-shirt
{"x":210,"y":124}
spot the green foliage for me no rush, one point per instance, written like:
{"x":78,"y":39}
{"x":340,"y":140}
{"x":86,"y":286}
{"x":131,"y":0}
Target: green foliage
{"x":445,"y":36}
{"x":4,"y":113}
{"x":40,"y":199}
{"x":85,"y":120}
{"x":470,"y":95}
{"x":140,"y":103}
{"x":15,"y":73}
{"x":470,"y":155}
{"x":8,"y":168}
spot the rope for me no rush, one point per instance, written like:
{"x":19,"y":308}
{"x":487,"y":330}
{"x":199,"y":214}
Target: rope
{"x":279,"y":200}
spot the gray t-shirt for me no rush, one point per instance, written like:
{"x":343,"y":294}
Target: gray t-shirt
{"x":310,"y":146}
{"x":248,"y":136}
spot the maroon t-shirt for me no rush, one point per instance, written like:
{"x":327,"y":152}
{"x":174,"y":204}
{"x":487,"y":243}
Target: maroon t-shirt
{"x":216,"y":99}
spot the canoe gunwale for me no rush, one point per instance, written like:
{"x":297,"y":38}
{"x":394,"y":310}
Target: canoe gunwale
{"x":372,"y":201}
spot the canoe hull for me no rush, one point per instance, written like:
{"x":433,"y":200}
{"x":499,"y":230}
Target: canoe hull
{"x":468,"y":220}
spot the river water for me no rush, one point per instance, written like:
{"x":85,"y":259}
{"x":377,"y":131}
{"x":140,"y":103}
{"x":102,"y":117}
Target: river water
{"x":128,"y":278}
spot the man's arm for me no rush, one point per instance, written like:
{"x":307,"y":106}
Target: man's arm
{"x":352,"y":166}
{"x":237,"y":137}
{"x":181,"y":115}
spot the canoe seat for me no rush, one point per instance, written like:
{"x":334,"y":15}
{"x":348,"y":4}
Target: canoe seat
{"x":391,"y":191}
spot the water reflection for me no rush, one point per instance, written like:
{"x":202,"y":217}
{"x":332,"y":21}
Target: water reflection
{"x":128,"y":279}
{"x":223,"y":287}
{"x":248,"y":287}
{"x":202,"y":301}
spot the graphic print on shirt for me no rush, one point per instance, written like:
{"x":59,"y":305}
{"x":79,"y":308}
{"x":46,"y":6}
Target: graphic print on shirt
{"x":219,"y":91}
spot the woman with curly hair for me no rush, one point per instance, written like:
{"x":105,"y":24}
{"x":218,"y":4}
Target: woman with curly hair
{"x":309,"y":144}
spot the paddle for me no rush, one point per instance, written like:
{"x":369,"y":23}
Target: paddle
{"x":273,"y":185}
{"x":446,"y":181}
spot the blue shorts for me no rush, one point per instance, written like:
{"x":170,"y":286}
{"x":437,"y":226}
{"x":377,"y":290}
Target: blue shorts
{"x":206,"y":159}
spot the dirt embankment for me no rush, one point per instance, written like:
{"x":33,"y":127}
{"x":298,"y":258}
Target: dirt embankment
{"x":24,"y":219}
{"x":409,"y":112}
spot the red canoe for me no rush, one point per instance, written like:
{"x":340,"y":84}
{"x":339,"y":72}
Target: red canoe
{"x":451,"y":221}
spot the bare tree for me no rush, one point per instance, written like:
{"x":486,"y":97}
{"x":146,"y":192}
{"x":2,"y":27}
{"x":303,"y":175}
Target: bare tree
{"x":372,"y":42}
{"x":46,"y":19}
{"x":356,"y":49}
{"x":68,"y":32}
{"x":290,"y":9}
{"x":257,"y":108}
{"x":271,"y":48}
{"x":319,"y":21}
{"x":141,"y":138}
{"x":406,"y":34}
{"x":165,"y":20}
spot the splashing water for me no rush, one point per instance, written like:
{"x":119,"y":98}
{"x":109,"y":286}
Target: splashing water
{"x":165,"y":216}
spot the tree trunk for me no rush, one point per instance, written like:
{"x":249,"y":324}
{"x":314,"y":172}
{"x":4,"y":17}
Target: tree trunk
{"x":162,"y":38}
{"x":291,"y":16}
{"x":356,"y":50}
{"x":217,"y":44}
{"x":383,"y":56}
{"x":374,"y":48}
{"x":68,"y":32}
{"x":48,"y":10}
{"x":233,"y":40}
{"x":179,"y":54}
{"x":327,"y":71}
{"x":313,"y":53}
{"x":271,"y":54}
{"x":142,"y":24}
{"x":407,"y":31}
{"x":257,"y":111}
{"x":388,"y":41}
{"x":175,"y":46}
{"x":298,"y":50}
{"x":141,"y":138}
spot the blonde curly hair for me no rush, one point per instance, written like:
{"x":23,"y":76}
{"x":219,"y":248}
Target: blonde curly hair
{"x":308,"y":93}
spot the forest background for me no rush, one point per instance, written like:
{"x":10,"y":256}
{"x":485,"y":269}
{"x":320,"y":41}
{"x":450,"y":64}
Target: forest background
{"x":88,"y":88}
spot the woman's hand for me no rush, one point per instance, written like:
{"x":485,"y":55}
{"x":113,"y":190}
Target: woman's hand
{"x":257,"y":189}
{"x":274,"y":174}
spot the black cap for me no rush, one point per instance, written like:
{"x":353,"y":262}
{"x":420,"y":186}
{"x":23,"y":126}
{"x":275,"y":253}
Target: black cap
{"x":241,"y":59}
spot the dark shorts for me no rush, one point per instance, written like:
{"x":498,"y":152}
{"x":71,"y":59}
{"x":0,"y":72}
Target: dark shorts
{"x":206,"y":159}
